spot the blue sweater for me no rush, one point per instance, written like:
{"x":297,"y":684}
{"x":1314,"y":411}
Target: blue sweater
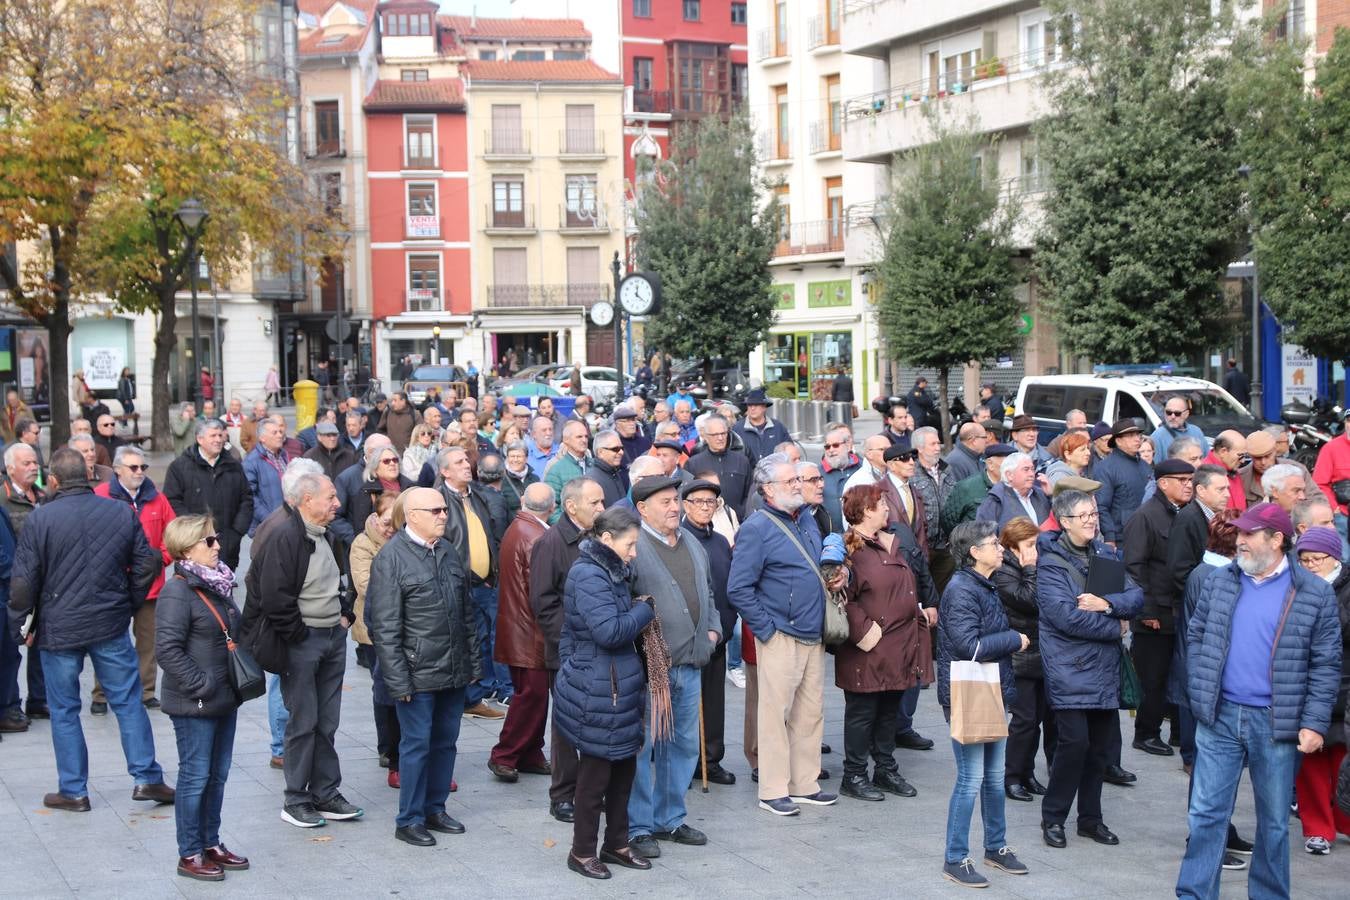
{"x":1246,"y":675}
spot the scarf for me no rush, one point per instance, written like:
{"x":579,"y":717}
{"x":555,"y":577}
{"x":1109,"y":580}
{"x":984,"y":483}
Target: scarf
{"x":657,"y":656}
{"x":220,"y":579}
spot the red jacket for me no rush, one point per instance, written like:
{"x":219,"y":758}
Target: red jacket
{"x":1333,"y":465}
{"x":1237,"y":492}
{"x":155,"y":513}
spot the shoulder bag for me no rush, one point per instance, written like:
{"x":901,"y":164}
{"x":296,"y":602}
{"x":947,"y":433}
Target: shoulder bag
{"x":246,"y":676}
{"x":976,"y":692}
{"x":834,"y":630}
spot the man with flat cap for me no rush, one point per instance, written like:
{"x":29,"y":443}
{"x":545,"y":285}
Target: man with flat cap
{"x":672,"y":568}
{"x":902,"y":501}
{"x":1101,"y":443}
{"x":1025,"y":436}
{"x":669,"y":452}
{"x":1124,"y":477}
{"x":1147,"y":534}
{"x":967,"y":495}
{"x":760,"y":433}
{"x":635,"y":443}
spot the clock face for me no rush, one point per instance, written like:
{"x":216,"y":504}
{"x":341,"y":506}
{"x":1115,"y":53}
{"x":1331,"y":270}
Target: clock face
{"x":636,"y":295}
{"x":602,"y":313}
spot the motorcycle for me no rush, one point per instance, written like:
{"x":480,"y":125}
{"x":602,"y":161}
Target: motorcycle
{"x":1313,"y":427}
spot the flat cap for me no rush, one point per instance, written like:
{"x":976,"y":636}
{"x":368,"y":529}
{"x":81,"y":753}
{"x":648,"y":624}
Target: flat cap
{"x":1173,"y":467}
{"x":653,"y":484}
{"x":699,"y":484}
{"x":999,"y":450}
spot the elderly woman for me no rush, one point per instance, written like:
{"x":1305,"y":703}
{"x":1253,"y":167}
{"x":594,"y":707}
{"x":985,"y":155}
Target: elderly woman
{"x":193,"y":614}
{"x":973,"y":626}
{"x":507,"y":435}
{"x":382,"y":476}
{"x":421,"y":449}
{"x":600,"y":689}
{"x":517,"y":474}
{"x":1015,"y":580}
{"x":1319,"y":551}
{"x":889,"y":647}
{"x":379,"y":529}
{"x":1075,"y":456}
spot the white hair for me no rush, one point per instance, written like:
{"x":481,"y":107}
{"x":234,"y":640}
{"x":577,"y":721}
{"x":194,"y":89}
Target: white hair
{"x":12,"y":453}
{"x":1010,"y":462}
{"x":1277,"y":476}
{"x":921,"y":436}
{"x":303,"y":477}
{"x":118,"y":458}
{"x":643,"y":466}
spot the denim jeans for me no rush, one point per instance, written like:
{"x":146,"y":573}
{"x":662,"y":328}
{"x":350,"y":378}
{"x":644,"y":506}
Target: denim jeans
{"x":496,"y":676}
{"x":1239,"y":733}
{"x":979,"y":773}
{"x":664,"y":768}
{"x":205,"y":747}
{"x":277,"y":716}
{"x":430,"y":726}
{"x":909,"y":703}
{"x":734,"y":660}
{"x":116,"y":665}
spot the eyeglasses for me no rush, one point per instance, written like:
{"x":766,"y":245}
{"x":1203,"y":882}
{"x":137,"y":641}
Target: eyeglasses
{"x":985,"y":545}
{"x":608,"y":449}
{"x":1312,"y":560}
{"x":391,"y":461}
{"x":1174,"y":412}
{"x":436,"y":511}
{"x":819,"y":479}
{"x":210,"y":540}
{"x":792,"y":480}
{"x":145,"y":467}
{"x":1087,"y":516}
{"x":836,"y":446}
{"x":107,"y":424}
{"x":713,"y":434}
{"x":705,"y":503}
{"x":904,"y":457}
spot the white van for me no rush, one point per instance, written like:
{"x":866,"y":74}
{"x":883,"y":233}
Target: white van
{"x":1106,"y":397}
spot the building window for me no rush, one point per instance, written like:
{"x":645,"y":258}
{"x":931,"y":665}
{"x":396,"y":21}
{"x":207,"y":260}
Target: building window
{"x":579,"y":136}
{"x":510,"y":277}
{"x":691,"y":10}
{"x":782,"y":119}
{"x":584,"y":284}
{"x":833,"y":112}
{"x":405,"y":25}
{"x":329,"y":186}
{"x":581,"y":207}
{"x":783,"y":193}
{"x":413,"y":74}
{"x":834,"y":212}
{"x":642,"y":9}
{"x":740,"y":82}
{"x":738,"y":14}
{"x":507,"y":136}
{"x":1039,"y":44}
{"x":780,"y":28}
{"x":419,"y":140}
{"x":529,"y":56}
{"x":487,"y":55}
{"x":421,"y":199}
{"x":700,"y":76}
{"x":327,"y":128}
{"x":642,"y":73}
{"x":508,"y":203}
{"x":569,"y":54}
{"x":832,"y":22}
{"x":424,"y":283}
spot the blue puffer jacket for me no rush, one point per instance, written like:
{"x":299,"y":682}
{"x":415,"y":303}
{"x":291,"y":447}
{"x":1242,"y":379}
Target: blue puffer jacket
{"x":265,"y":485}
{"x":772,"y":585}
{"x":1305,"y":665}
{"x":1124,"y":479}
{"x":601,"y":689}
{"x":971,"y":618}
{"x":1080,"y":650}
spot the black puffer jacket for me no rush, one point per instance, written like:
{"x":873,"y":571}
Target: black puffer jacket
{"x":420,"y":618}
{"x":194,"y":487}
{"x":1017,"y":590}
{"x":190,"y":648}
{"x":83,"y":562}
{"x":1146,"y":539}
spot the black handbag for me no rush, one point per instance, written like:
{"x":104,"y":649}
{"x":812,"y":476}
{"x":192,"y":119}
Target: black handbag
{"x":246,"y":677}
{"x":1341,"y":491}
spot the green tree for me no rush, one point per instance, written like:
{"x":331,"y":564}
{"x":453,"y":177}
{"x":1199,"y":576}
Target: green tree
{"x":703,"y":228}
{"x":1144,"y":213}
{"x":947,"y":272}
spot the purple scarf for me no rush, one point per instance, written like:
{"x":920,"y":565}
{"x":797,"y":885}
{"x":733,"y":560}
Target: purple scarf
{"x":220,"y":579}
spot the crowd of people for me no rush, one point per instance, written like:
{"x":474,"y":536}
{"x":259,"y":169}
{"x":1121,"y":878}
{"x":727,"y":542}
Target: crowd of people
{"x":611,"y":576}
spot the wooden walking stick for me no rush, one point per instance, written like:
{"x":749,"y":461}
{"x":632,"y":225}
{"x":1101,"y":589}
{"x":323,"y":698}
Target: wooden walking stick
{"x":702,"y":746}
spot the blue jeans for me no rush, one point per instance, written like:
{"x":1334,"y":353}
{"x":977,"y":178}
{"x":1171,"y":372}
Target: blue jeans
{"x":430,"y":726}
{"x":979,"y":773}
{"x":1343,"y":526}
{"x":277,"y":716}
{"x":734,"y":660}
{"x":205,"y":747}
{"x":117,"y":667}
{"x":909,"y":703}
{"x":496,"y":676}
{"x":664,"y":768}
{"x":1239,"y":733}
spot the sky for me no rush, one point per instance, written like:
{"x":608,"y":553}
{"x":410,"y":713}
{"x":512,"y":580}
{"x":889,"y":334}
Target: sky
{"x":495,"y":9}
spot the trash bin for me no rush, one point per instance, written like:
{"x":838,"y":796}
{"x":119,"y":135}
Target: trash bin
{"x":306,"y":395}
{"x":815,"y":419}
{"x":789,"y":413}
{"x":841,"y":412}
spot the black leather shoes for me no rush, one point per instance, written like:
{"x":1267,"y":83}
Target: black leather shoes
{"x":1117,"y":775}
{"x":417,"y":835}
{"x":1035,"y":786}
{"x":1054,"y":836}
{"x":825,"y":749}
{"x":1099,"y":833}
{"x":625,"y":857}
{"x":444,"y":824}
{"x":37,"y":710}
{"x":159,"y":793}
{"x":894,"y":783}
{"x":1016,"y":791}
{"x":69,"y":804}
{"x":1154,"y":746}
{"x":563,"y":811}
{"x":719,"y":775}
{"x":645,"y":845}
{"x":682,"y":835}
{"x":859,"y":788}
{"x":912,"y":740}
{"x":591,"y":868}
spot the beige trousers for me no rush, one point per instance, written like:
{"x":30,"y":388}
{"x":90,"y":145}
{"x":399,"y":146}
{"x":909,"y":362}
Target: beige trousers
{"x":791,"y":682}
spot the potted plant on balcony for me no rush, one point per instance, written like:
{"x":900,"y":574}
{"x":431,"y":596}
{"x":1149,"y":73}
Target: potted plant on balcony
{"x":990,"y":68}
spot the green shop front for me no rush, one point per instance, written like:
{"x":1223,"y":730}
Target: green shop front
{"x":813,"y":341}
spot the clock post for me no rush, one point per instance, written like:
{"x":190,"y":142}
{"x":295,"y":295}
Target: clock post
{"x":619,"y":314}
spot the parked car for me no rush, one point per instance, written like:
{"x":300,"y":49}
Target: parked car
{"x":1106,"y":397}
{"x":597,"y":381}
{"x":538,"y":373}
{"x":450,"y":379}
{"x":730,"y":380}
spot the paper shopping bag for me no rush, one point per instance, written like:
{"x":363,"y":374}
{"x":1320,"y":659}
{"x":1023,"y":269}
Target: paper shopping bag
{"x":977,"y":703}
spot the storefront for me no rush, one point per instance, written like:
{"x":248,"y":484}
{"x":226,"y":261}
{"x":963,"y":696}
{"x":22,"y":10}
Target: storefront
{"x":818,"y":334}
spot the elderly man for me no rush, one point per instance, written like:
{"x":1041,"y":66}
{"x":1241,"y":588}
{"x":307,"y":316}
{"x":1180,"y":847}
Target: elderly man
{"x":572,"y":459}
{"x":1025,"y":436}
{"x":1312,"y":513}
{"x":1176,"y":423}
{"x":684,"y":417}
{"x":760,"y":433}
{"x":1283,"y":485}
{"x":607,"y":467}
{"x":332,"y":453}
{"x":1227,"y":452}
{"x":1124,"y":476}
{"x":1263,"y":671}
{"x":673,"y":569}
{"x":206,"y":481}
{"x":966,"y":496}
{"x":264,"y":466}
{"x":1263,"y":454}
{"x":21,"y":497}
{"x":965,"y":460}
{"x":354,"y":433}
{"x":95,"y":472}
{"x":1190,"y":530}
{"x":775,"y":584}
{"x":105,"y":434}
{"x":731,"y":464}
{"x":541,"y":446}
{"x":838,"y":463}
{"x":902,"y":501}
{"x":1147,"y":538}
{"x":1016,"y":494}
{"x":635,"y":443}
{"x":398,"y":421}
{"x":813,"y":495}
{"x":550,"y":561}
{"x":520,"y":645}
{"x":933,"y":482}
{"x":873,"y":467}
{"x":295,"y":620}
{"x":309,"y":437}
{"x":421,"y":625}
{"x":133,"y":487}
{"x":85,"y":600}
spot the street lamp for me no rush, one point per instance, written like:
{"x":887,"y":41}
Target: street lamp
{"x":617,"y":268}
{"x":339,"y":327}
{"x":191,"y":216}
{"x":435,"y":345}
{"x":1244,"y":172}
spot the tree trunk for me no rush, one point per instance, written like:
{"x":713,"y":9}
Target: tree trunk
{"x":159,"y":378}
{"x":707,"y":378}
{"x":58,"y":336}
{"x":944,"y":414}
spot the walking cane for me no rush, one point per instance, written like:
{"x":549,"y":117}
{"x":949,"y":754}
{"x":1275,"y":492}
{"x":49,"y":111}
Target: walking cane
{"x":702,"y":747}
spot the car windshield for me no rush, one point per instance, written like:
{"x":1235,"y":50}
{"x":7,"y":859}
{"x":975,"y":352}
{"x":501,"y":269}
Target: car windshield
{"x":1206,"y":404}
{"x":436,"y":373}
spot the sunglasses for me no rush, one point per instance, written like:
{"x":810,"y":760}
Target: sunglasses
{"x":145,"y":467}
{"x":436,"y":511}
{"x":211,"y":540}
{"x":1174,"y":412}
{"x":834,"y":446}
{"x":906,"y":457}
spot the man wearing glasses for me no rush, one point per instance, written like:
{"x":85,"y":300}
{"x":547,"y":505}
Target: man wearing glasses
{"x":838,"y":464}
{"x":105,"y":435}
{"x":731,"y":465}
{"x":422,"y":626}
{"x":1176,"y":423}
{"x":133,"y":487}
{"x":607,"y":468}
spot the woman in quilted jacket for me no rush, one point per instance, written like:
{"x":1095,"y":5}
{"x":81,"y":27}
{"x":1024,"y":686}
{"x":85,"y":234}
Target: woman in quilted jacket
{"x":599,"y":693}
{"x":379,"y":529}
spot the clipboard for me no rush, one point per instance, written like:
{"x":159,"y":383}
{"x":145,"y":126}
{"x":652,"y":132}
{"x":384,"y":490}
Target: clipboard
{"x":1105,"y":576}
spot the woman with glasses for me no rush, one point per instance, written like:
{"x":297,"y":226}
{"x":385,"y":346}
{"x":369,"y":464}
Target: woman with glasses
{"x":379,"y":529}
{"x":973,"y":626}
{"x":421,"y":448}
{"x":190,"y":645}
{"x":383,"y":475}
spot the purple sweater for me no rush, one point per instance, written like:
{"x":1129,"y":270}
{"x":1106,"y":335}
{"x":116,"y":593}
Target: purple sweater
{"x":1246,"y":674}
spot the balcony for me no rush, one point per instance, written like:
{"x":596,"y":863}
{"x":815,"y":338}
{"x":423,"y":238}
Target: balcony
{"x":421,"y":228}
{"x":556,"y":296}
{"x":772,"y":46}
{"x":870,"y":27}
{"x":1002,"y":94}
{"x":428,"y":300}
{"x":324,"y":146}
{"x":811,"y":239}
{"x":509,"y":144}
{"x":825,"y":140}
{"x":508,"y":221}
{"x":865,"y":225}
{"x":417,"y":162}
{"x":582,"y":219}
{"x":822,"y":31}
{"x":654,"y":104}
{"x":581,"y":143}
{"x":775,"y":148}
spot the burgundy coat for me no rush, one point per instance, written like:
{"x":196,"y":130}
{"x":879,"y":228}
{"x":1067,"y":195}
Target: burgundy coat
{"x":520,"y":642}
{"x":882,"y":590}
